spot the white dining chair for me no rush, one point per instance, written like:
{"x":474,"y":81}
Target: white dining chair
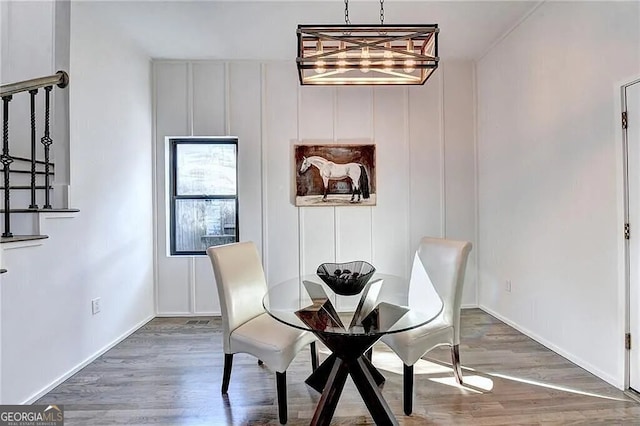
{"x":247,"y":328}
{"x":438,"y":271}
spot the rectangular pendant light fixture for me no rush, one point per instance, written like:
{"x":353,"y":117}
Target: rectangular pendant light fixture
{"x":366,"y":54}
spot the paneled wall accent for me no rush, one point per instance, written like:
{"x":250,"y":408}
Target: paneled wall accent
{"x":263,"y":104}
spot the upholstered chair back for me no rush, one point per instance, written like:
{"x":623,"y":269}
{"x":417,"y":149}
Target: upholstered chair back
{"x":440,"y":265}
{"x":241,"y":284}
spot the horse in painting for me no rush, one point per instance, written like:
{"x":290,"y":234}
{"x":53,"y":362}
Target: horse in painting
{"x":329,"y":170}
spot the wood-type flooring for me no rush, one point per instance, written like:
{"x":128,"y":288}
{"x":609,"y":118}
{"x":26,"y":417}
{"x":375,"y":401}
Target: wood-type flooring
{"x":169,"y":372}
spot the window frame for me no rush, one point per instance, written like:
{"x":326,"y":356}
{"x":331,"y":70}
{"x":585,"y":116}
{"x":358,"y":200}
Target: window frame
{"x":173,"y":186}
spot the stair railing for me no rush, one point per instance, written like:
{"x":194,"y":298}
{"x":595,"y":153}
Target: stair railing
{"x":60,"y":79}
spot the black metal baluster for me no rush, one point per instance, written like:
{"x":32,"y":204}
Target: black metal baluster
{"x":33,"y":94}
{"x":46,"y":141}
{"x":6,"y":159}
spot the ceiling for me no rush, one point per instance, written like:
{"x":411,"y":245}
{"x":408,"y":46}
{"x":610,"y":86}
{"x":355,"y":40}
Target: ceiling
{"x":265,"y":30}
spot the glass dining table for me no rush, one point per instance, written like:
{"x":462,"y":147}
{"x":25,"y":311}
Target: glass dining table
{"x":349,"y":326}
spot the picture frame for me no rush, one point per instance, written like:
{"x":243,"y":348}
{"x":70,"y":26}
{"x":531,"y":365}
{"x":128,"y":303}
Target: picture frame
{"x":335,"y":175}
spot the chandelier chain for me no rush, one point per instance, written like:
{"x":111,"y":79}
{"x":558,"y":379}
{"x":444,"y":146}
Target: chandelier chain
{"x":346,"y":12}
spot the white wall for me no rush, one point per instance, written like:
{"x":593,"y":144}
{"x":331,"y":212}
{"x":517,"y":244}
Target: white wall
{"x":424,"y":149}
{"x":30,"y":23}
{"x":4,"y":26}
{"x":550,"y":206}
{"x":34,"y":42}
{"x":104,"y":251}
{"x":28,"y":52}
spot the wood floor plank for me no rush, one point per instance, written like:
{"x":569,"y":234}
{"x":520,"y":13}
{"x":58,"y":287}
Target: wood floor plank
{"x":169,"y":373}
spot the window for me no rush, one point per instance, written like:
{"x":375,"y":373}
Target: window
{"x":203,"y":193}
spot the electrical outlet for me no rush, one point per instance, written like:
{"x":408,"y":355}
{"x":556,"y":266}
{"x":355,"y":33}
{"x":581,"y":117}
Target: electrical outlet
{"x":507,"y":286}
{"x":95,"y":305}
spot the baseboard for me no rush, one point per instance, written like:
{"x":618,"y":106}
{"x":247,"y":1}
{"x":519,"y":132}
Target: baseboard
{"x":188,"y":314}
{"x":632,"y":394}
{"x":86,"y":362}
{"x":469,"y":306}
{"x":569,"y":356}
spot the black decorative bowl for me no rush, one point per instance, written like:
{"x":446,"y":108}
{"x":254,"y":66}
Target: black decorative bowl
{"x":346,"y":279}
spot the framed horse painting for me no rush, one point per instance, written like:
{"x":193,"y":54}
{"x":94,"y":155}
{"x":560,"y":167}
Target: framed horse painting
{"x":335,"y":175}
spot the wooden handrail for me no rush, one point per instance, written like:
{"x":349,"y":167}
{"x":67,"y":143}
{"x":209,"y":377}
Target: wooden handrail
{"x":60,"y":79}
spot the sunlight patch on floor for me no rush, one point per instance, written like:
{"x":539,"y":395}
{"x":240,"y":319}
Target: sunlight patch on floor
{"x":556,"y":387}
{"x":480,"y":382}
{"x":390,"y":362}
{"x":548,"y":386}
{"x":476,"y":384}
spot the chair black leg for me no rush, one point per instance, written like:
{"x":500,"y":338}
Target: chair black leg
{"x":226,"y":375}
{"x":314,"y":356}
{"x":281,"y":388}
{"x":408,"y":389}
{"x":455,"y":361}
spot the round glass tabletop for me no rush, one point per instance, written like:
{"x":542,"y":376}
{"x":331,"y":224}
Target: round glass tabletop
{"x":380,"y":308}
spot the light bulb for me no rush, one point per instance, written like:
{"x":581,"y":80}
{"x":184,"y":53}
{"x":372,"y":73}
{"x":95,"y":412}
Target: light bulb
{"x":365,"y":63}
{"x":342,"y":56}
{"x":319,"y":63}
{"x":409,"y":64}
{"x":388,"y":57}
